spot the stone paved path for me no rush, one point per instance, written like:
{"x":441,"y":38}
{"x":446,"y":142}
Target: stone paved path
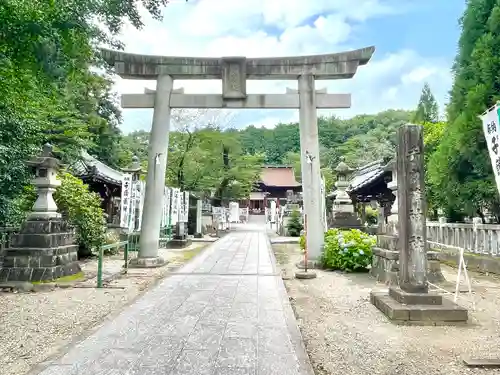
{"x":225,"y":313}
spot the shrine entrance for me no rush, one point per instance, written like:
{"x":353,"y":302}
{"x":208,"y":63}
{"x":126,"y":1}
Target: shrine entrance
{"x":234,"y":72}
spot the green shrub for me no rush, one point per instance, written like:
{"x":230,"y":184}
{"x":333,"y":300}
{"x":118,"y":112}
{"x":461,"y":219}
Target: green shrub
{"x":294,"y":225}
{"x":302,"y":242}
{"x":348,"y":250}
{"x":82,"y":208}
{"x":109,"y":239}
{"x":371,"y":216}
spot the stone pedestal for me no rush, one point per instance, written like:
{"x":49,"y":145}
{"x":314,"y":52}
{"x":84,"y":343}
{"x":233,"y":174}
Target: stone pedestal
{"x":410,"y":302}
{"x":385,"y":262}
{"x":44,"y":250}
{"x":180,"y":239}
{"x":418,"y":308}
{"x":346,"y":220}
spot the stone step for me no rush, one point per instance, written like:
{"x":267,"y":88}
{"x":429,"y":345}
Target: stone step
{"x":38,"y":273}
{"x":42,"y":240}
{"x":39,"y":251}
{"x":46,"y":226}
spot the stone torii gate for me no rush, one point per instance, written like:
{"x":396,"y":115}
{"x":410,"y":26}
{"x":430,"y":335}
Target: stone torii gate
{"x":234,"y":71}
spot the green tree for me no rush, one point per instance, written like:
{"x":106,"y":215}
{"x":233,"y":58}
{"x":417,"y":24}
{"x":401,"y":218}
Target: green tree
{"x":294,"y":225}
{"x":47,"y":88}
{"x":460,"y":169}
{"x":427,"y":109}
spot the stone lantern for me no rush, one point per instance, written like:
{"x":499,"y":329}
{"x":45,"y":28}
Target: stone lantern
{"x":45,"y":248}
{"x":393,"y":186}
{"x":343,"y":202}
{"x":343,"y":215}
{"x":134,"y":169}
{"x":45,"y":182}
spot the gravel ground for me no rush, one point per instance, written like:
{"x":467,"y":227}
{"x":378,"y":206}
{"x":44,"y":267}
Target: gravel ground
{"x":345,"y":334}
{"x":35,"y":326}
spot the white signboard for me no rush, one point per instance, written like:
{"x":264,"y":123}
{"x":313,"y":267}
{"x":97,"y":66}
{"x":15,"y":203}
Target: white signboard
{"x":323,"y":204}
{"x":134,"y":204}
{"x":234,"y":212}
{"x":126,"y":203}
{"x":142,"y":190}
{"x":492,"y":135}
{"x":184,"y":207}
{"x":175,"y":205}
{"x":168,"y":202}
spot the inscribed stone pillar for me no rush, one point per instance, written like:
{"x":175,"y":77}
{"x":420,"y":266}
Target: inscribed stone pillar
{"x":311,"y":176}
{"x":155,"y":181}
{"x":199,"y":218}
{"x":411,"y":302}
{"x":411,"y":199}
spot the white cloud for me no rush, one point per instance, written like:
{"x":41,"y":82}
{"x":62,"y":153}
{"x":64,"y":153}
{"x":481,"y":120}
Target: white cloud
{"x":262,"y":28}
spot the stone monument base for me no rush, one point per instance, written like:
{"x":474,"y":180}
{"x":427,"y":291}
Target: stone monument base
{"x":405,"y":308}
{"x":147,"y":262}
{"x":311,"y":264}
{"x":385,"y":262}
{"x":346,"y":220}
{"x":44,"y":250}
{"x":178,"y":243}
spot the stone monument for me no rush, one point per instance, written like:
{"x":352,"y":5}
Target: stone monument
{"x":343,"y":214}
{"x":180,"y":239}
{"x":234,"y":72}
{"x":45,"y":247}
{"x":385,"y":259}
{"x":411,"y":302}
{"x":199,"y":219}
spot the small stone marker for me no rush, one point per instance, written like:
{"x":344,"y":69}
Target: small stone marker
{"x":411,"y":302}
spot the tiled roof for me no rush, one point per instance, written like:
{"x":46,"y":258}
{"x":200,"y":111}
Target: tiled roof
{"x":278,"y":176}
{"x":366,"y":174}
{"x":89,"y":166}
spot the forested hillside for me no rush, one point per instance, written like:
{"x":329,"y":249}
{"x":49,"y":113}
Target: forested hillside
{"x":360,"y":140}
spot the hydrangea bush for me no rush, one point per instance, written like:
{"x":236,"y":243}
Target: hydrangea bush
{"x":348,"y":250}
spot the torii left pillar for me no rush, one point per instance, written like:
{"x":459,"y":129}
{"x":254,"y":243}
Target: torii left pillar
{"x":155,"y":180}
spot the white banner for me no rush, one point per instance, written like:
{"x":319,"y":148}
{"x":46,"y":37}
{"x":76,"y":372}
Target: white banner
{"x":185,"y":207}
{"x":176,"y":193}
{"x":142,"y":190}
{"x":126,"y":202}
{"x":166,"y":207}
{"x":134,"y":204}
{"x":492,"y":135}
{"x":168,"y":203}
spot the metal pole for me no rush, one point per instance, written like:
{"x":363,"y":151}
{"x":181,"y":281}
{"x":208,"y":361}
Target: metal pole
{"x":305,"y":246}
{"x":125,"y":258}
{"x":99,"y":267}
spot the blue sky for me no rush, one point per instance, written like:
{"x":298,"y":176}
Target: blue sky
{"x":415,"y":42}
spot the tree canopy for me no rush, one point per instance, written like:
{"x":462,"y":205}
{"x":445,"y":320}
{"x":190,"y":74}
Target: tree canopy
{"x":49,"y":88}
{"x":460,"y":168}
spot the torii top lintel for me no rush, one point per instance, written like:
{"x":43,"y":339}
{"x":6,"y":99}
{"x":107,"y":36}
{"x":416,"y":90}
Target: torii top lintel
{"x":330,"y":66}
